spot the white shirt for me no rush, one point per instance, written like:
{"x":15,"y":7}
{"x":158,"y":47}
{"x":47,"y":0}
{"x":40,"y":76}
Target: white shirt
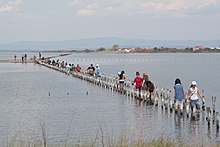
{"x":194,"y":93}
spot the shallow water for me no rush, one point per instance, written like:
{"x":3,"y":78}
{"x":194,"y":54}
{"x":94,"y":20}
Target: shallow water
{"x":31,"y":94}
{"x":9,"y":55}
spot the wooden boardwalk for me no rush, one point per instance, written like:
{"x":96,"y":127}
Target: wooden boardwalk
{"x":160,"y":97}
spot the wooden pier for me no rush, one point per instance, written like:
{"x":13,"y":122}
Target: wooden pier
{"x":160,"y":97}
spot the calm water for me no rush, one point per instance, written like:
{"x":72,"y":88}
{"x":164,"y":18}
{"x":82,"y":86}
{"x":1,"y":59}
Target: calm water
{"x":9,"y":55}
{"x":69,"y":113}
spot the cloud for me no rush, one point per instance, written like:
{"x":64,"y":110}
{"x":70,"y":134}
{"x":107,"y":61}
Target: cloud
{"x":90,"y":10}
{"x":74,"y":2}
{"x":131,"y":7}
{"x":10,"y":5}
{"x":36,"y":19}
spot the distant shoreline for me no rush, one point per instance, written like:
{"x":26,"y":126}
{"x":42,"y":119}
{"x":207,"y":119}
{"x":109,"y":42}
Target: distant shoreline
{"x":124,"y":51}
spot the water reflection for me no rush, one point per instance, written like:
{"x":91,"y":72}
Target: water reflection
{"x":177,"y":120}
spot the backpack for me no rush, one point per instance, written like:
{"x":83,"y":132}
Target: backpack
{"x":146,"y":79}
{"x":151,"y":87}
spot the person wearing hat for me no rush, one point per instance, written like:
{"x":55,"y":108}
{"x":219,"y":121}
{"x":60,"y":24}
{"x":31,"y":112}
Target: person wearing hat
{"x":145,"y":80}
{"x":98,"y":71}
{"x":193,"y":95}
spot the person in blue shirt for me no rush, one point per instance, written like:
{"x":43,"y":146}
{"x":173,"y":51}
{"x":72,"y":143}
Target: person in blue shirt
{"x":98,"y":71}
{"x":179,"y":94}
{"x":68,"y":67}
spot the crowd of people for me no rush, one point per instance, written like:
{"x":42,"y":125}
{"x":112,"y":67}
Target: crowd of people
{"x":192,"y":96}
{"x":141,"y":84}
{"x":24,"y":57}
{"x":144,"y":84}
{"x":91,"y":70}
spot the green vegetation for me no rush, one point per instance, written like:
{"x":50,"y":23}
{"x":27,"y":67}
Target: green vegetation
{"x":121,"y":142}
{"x":174,"y":50}
{"x":117,"y":49}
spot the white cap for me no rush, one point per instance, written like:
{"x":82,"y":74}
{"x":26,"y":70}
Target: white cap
{"x":194,"y":83}
{"x":97,"y":65}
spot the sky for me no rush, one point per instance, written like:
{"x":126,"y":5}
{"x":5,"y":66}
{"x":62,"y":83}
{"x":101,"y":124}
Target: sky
{"x":58,"y":20}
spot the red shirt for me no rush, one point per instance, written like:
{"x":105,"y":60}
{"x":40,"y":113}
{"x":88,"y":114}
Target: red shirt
{"x":138,"y":81}
{"x":78,"y":68}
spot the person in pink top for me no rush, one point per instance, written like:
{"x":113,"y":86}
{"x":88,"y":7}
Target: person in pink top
{"x":138,"y":81}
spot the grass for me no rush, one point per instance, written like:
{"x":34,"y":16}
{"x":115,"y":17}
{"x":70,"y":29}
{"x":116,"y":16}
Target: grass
{"x":103,"y":138}
{"x":120,"y":142}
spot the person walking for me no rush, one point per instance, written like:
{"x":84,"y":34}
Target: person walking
{"x":122,"y":78}
{"x":98,"y":71}
{"x":25,"y":57}
{"x":145,"y":81}
{"x":68,"y":67}
{"x":91,"y":70}
{"x":22,"y":58}
{"x":178,"y":95}
{"x":39,"y":56}
{"x":138,"y":82}
{"x":150,"y":89}
{"x":15,"y":56}
{"x":194,"y":95}
{"x":78,"y":68}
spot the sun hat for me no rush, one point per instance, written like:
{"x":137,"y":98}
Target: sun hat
{"x":144,"y":73}
{"x":194,"y":83}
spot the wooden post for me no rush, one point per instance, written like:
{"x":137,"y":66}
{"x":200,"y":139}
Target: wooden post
{"x":156,"y":97}
{"x":126,"y":88}
{"x":133,"y":91}
{"x":187,"y":107}
{"x":208,"y":118}
{"x":112,"y":84}
{"x":167,"y":99}
{"x":217,"y":120}
{"x":130,"y":87}
{"x":213,"y":103}
{"x":162,"y":97}
{"x":203,"y":102}
{"x":171,"y":104}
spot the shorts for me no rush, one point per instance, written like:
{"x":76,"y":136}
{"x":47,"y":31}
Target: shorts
{"x":193,"y":102}
{"x":121,"y":81}
{"x":138,"y":88}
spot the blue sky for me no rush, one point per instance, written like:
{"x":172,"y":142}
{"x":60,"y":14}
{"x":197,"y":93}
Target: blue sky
{"x":56,"y":20}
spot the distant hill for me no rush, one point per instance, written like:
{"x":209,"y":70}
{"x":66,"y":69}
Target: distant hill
{"x":106,"y":42}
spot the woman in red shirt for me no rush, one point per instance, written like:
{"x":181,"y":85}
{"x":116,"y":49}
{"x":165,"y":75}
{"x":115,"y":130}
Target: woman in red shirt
{"x":138,"y":81}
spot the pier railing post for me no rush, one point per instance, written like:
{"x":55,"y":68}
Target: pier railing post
{"x":162,"y":97}
{"x":213,"y":103}
{"x":217,"y":120}
{"x":156,"y":97}
{"x":208,"y":118}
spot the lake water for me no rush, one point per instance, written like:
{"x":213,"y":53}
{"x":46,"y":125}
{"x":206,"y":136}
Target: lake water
{"x":9,"y":55}
{"x":31,"y":94}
